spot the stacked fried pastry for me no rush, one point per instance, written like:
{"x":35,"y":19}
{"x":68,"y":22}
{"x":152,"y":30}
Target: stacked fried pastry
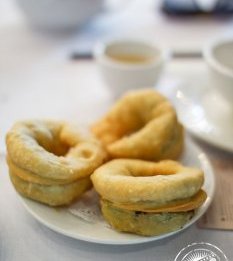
{"x":148,"y":198}
{"x":50,"y":161}
{"x":143,"y":190}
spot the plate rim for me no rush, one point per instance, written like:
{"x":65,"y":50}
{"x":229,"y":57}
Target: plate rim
{"x":141,"y":239}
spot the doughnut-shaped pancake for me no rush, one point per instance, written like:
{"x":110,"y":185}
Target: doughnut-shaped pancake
{"x":52,"y":195}
{"x":50,"y":161}
{"x":50,"y":150}
{"x":144,"y":223}
{"x":131,"y":181}
{"x":32,"y":177}
{"x":178,"y":205}
{"x":142,"y":125}
{"x":148,"y":198}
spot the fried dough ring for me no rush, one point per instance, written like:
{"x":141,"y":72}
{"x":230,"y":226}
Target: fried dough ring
{"x":32,"y":177}
{"x":180,"y":205}
{"x":50,"y":161}
{"x":52,"y":195}
{"x":53,"y":150}
{"x":142,"y":125}
{"x":141,"y":223}
{"x":130,"y":181}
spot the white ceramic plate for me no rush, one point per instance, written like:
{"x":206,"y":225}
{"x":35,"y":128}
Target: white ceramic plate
{"x":205,"y":115}
{"x":62,"y":221}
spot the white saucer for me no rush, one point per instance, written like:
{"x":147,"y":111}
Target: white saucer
{"x":62,"y":221}
{"x":206,"y":115}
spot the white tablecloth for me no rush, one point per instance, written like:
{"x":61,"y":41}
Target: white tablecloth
{"x":23,"y":238}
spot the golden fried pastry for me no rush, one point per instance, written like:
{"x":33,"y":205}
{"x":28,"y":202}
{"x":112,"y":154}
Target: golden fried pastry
{"x":50,"y":161}
{"x":148,"y":198}
{"x":141,"y":125}
{"x":52,"y":195}
{"x":144,"y":223}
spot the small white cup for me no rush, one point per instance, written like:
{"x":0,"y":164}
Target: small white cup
{"x":122,"y":76}
{"x":219,"y":58}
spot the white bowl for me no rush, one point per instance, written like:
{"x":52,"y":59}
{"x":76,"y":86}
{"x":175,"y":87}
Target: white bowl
{"x":219,"y":57}
{"x":123,"y":76}
{"x":59,"y":14}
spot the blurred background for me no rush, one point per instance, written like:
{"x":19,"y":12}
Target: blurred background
{"x":46,"y":66}
{"x":179,"y":24}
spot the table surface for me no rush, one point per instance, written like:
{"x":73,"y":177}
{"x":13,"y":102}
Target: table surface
{"x":37,"y":79}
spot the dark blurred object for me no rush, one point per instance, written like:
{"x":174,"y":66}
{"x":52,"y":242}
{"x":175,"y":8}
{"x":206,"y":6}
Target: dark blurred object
{"x":87,"y":55}
{"x":196,"y":7}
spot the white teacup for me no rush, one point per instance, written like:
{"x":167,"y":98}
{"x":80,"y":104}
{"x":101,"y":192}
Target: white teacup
{"x":219,"y":58}
{"x":129,"y":64}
